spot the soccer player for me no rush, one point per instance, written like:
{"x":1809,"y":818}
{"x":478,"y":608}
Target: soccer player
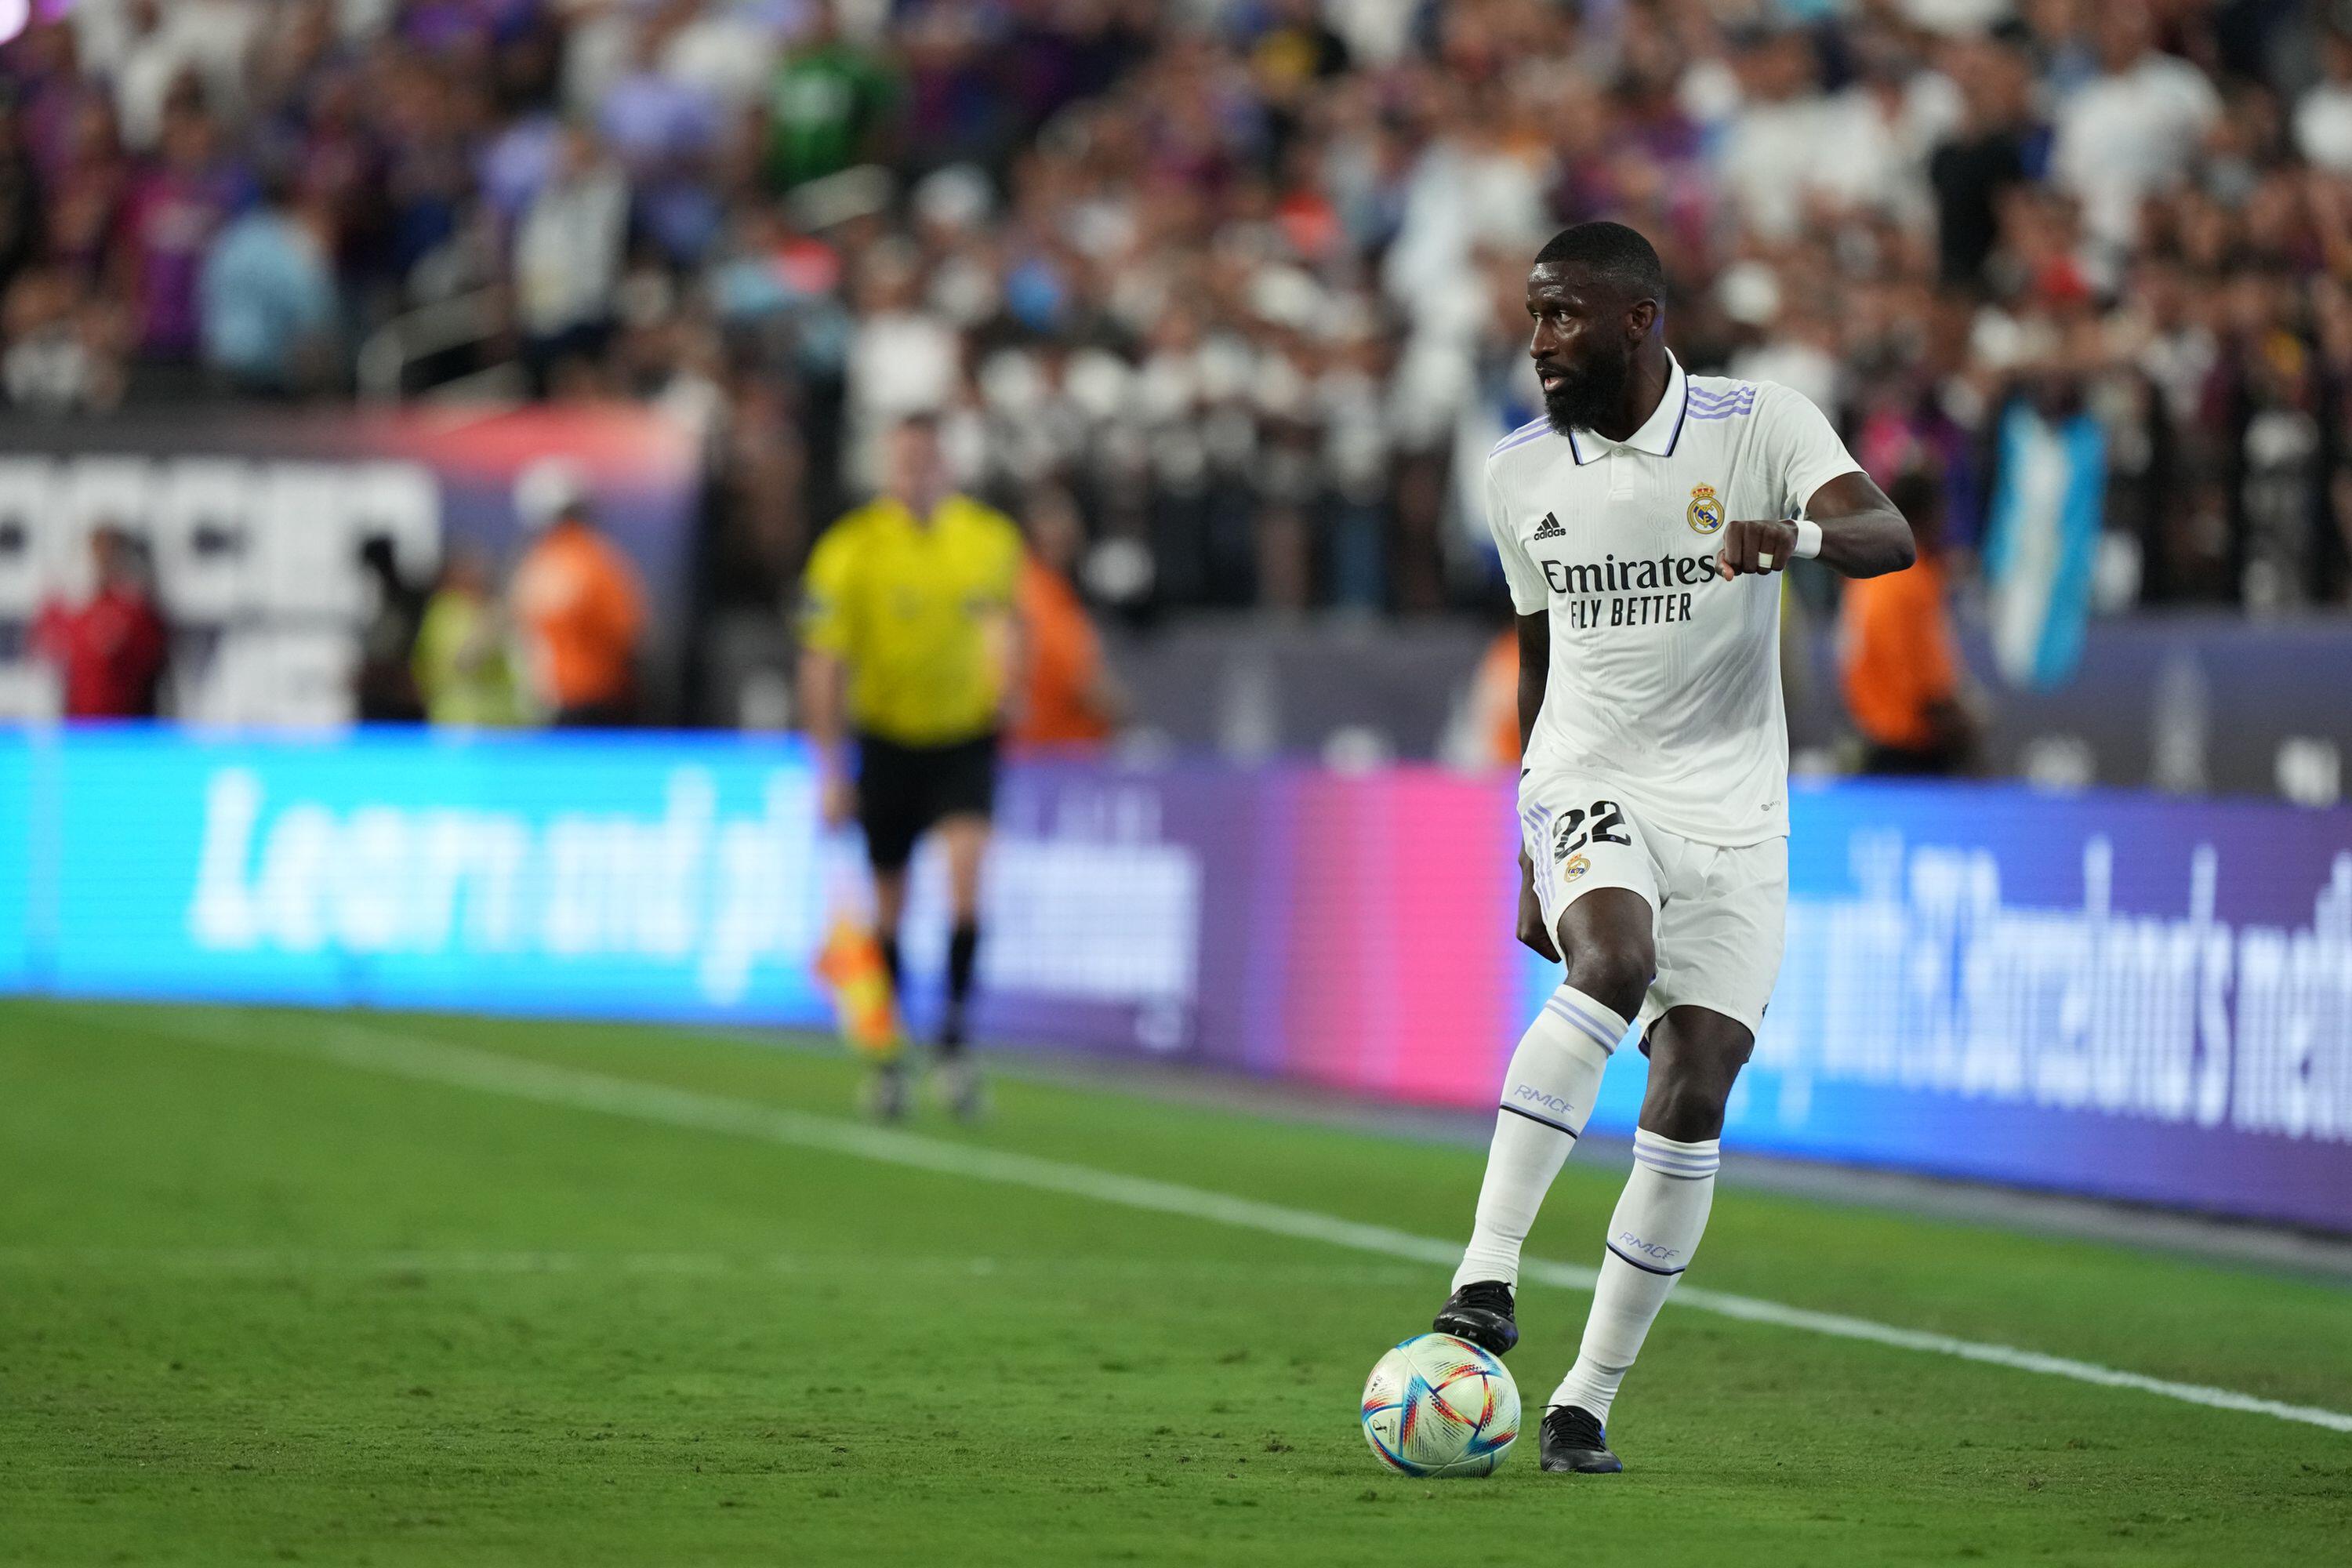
{"x":910,"y":605}
{"x":1641,"y":523}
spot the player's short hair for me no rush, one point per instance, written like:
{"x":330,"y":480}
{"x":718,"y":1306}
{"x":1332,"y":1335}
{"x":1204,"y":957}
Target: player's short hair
{"x":1614,"y":251}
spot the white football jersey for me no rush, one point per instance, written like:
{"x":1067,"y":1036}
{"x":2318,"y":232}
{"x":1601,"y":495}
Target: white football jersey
{"x":1665,"y":679}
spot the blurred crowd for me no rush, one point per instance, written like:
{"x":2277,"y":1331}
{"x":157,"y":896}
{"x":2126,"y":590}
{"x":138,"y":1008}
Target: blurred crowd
{"x":1232,"y":286}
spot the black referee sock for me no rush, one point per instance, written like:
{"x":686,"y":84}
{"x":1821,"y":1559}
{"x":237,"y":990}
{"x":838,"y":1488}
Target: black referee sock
{"x":963,"y":963}
{"x":890,"y":944}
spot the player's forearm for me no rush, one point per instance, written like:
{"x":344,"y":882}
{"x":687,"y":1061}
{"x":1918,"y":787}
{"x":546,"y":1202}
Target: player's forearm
{"x":1531,"y":695}
{"x":1535,"y":666}
{"x":820,"y":684}
{"x":1868,"y":543}
{"x":1005,"y":646}
{"x":1862,"y":534}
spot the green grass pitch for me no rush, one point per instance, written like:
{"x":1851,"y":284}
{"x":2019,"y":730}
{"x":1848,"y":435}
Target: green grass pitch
{"x":263,"y":1298}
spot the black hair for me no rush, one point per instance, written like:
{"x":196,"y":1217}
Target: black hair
{"x":1611,"y":250}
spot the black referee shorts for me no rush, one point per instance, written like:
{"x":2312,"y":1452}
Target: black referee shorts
{"x":903,"y":792}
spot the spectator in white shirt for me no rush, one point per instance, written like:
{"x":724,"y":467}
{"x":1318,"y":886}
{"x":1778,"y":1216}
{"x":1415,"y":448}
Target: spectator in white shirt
{"x":1789,"y":146}
{"x":2135,"y":129}
{"x":568,"y":254}
{"x":904,"y":360}
{"x":2323,"y":118}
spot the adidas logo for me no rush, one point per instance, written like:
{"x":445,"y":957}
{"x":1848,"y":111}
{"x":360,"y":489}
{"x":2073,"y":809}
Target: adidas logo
{"x":1549,"y":528}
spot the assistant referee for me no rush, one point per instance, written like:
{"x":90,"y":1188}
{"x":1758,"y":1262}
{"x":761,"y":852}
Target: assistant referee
{"x":908,"y":645}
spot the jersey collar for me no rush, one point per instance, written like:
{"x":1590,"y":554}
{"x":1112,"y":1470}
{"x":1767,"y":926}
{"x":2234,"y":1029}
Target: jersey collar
{"x":907,"y":518}
{"x":1657,"y":435}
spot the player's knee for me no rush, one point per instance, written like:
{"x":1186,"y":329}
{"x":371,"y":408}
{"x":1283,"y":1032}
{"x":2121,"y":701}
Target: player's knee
{"x":1685,"y":1107}
{"x":1616,"y":974}
{"x":1690,"y":1085}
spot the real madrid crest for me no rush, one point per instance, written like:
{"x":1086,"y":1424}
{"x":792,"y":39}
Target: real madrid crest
{"x":1705,"y":513}
{"x":1577,"y":866}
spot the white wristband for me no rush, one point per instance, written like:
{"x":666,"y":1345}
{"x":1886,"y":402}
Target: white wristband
{"x":1809,"y":539}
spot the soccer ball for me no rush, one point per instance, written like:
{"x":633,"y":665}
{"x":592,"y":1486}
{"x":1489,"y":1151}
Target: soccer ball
{"x":1436,"y":1406}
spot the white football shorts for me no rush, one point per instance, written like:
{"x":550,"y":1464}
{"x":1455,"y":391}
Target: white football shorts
{"x":1717,"y":913}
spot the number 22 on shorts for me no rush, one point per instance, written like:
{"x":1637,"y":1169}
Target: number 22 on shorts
{"x":1605,"y":817}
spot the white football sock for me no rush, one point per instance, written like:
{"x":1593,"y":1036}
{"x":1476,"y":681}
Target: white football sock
{"x":1652,"y":1236}
{"x":1546,"y":1095}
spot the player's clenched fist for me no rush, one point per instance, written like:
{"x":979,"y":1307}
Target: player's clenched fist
{"x":1755,"y":547}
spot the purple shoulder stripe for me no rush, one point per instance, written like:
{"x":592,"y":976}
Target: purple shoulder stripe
{"x":1730,"y":403}
{"x":1534,"y":431}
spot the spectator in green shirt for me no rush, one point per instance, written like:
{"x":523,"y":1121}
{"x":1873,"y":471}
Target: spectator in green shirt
{"x":829,"y":103}
{"x":464,"y":660}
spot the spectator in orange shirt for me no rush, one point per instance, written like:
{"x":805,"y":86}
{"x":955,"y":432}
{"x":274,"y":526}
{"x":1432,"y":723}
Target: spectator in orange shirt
{"x":1069,"y":699}
{"x":577,"y":600}
{"x":1898,"y":659}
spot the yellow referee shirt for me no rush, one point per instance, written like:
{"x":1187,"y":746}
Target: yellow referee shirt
{"x":906,"y":604}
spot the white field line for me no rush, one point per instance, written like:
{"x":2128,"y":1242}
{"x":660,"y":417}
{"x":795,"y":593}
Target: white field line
{"x":433,"y":1061}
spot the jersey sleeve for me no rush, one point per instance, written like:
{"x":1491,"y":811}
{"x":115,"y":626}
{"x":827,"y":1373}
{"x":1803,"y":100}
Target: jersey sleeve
{"x":1799,"y":446}
{"x":824,"y":593}
{"x":1529,"y":593}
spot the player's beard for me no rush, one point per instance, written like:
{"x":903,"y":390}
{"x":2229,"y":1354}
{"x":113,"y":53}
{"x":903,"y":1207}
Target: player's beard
{"x":1591,"y":395}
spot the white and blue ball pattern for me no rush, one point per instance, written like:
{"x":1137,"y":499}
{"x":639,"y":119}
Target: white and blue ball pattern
{"x":1437,"y":1405}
